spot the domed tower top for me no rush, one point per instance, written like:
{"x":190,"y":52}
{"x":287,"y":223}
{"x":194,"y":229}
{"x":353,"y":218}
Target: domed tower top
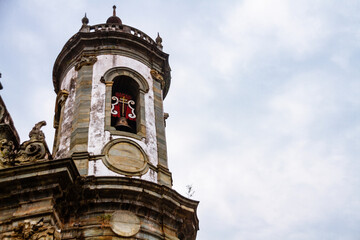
{"x":114,"y":19}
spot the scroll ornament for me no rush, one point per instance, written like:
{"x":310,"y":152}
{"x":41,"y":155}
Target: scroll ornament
{"x":29,"y":151}
{"x":158,"y":77}
{"x":84,"y":61}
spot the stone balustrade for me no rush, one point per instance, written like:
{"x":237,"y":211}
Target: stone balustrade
{"x":121,"y":28}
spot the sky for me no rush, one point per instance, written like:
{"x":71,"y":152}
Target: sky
{"x":264,"y":104}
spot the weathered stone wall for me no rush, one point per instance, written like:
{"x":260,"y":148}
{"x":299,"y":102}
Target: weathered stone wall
{"x":94,"y":187}
{"x":88,"y":63}
{"x":87,"y":117}
{"x":97,"y":136}
{"x":64,"y":134}
{"x":49,"y":200}
{"x":28,"y":195}
{"x":144,"y":211}
{"x":98,"y":168}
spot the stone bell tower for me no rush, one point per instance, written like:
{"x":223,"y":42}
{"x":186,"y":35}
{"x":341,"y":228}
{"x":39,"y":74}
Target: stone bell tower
{"x":108,"y":175}
{"x":110,"y":81}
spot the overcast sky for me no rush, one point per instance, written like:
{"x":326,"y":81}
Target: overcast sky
{"x":264,"y":104}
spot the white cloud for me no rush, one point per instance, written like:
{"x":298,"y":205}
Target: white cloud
{"x":258,"y":30}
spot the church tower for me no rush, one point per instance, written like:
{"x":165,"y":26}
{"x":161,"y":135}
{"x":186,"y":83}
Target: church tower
{"x":110,"y":81}
{"x":108,"y":175}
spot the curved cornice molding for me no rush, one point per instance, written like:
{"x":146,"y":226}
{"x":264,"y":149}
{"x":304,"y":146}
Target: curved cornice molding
{"x":124,"y":43}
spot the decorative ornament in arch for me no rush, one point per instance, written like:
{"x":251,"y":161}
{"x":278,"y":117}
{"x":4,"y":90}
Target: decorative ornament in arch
{"x":125,"y":157}
{"x":123,"y":100}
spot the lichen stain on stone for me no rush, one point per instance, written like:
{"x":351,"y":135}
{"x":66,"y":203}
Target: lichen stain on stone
{"x":97,"y":111}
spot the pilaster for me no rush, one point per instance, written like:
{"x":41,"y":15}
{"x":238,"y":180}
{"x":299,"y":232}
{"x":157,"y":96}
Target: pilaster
{"x":164,"y":176}
{"x":80,"y":126}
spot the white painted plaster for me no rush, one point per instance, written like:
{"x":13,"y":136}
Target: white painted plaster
{"x":91,"y":168}
{"x":97,"y":136}
{"x":68,"y":114}
{"x":97,"y":168}
{"x":65,"y":84}
{"x":150,"y":176}
{"x":141,"y":143}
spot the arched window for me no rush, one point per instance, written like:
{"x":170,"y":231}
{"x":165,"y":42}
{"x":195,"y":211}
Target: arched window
{"x":125,"y":102}
{"x":124,"y":98}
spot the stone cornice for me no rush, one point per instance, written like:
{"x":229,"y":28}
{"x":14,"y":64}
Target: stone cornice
{"x":159,"y":198}
{"x":57,"y":192}
{"x":40,"y":168}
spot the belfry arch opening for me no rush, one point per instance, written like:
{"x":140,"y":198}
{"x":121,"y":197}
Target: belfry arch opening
{"x":124,"y":104}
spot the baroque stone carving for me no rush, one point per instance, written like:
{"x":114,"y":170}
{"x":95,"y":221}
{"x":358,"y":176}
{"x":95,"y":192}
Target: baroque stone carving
{"x":158,"y":77}
{"x":36,"y":133}
{"x":35,"y":231}
{"x":2,"y":114}
{"x":6,"y":150}
{"x":84,"y":61}
{"x":29,"y":151}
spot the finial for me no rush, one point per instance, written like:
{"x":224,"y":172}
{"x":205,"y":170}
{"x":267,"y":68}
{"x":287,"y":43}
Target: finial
{"x":85,"y":20}
{"x":159,"y":41}
{"x":114,"y":19}
{"x":114,"y":11}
